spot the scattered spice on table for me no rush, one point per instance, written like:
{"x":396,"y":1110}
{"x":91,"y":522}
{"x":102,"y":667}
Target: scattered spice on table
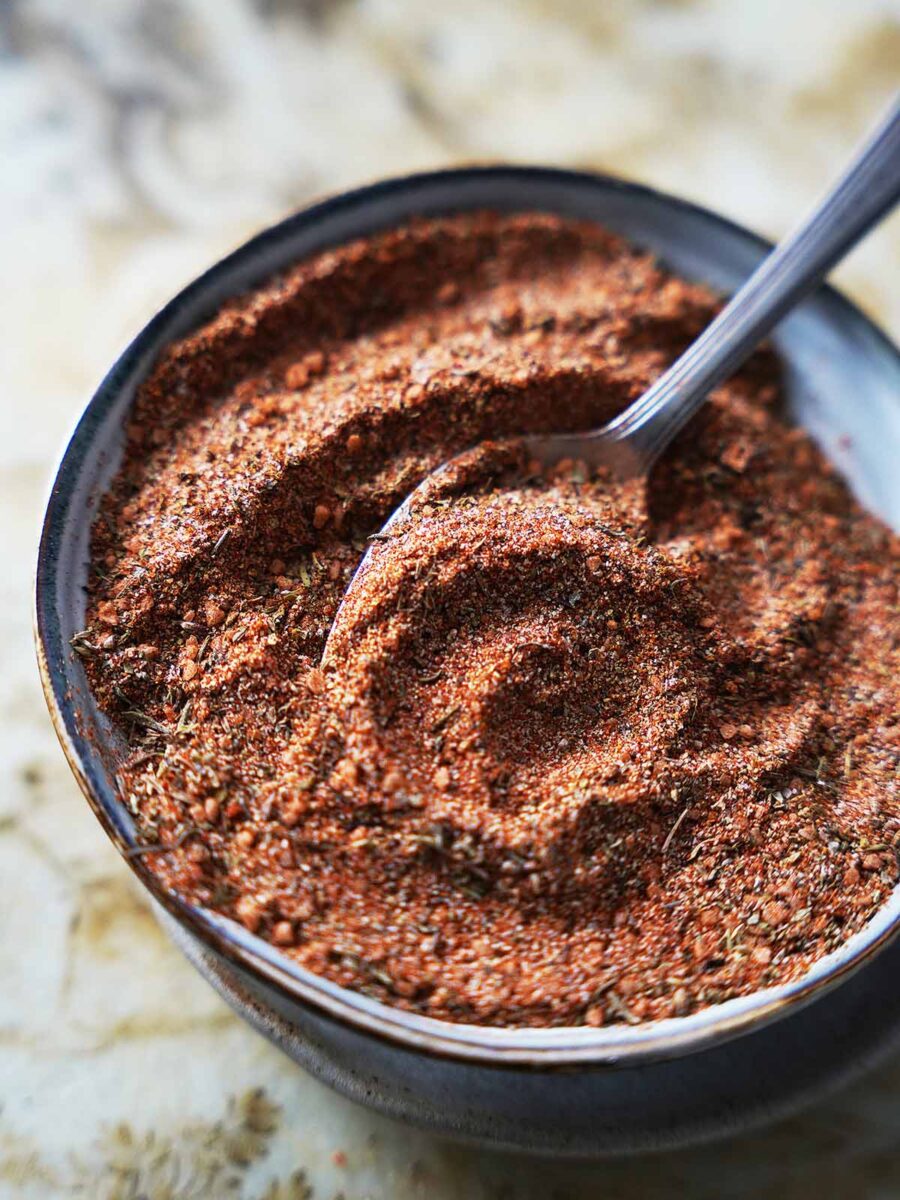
{"x":579,"y":753}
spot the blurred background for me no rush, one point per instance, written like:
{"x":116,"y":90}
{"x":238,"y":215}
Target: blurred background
{"x":139,"y":141}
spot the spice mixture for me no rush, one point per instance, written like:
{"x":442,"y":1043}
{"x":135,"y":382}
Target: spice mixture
{"x":576,"y":754}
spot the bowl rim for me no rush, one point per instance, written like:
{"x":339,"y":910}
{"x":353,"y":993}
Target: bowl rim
{"x":542,"y":1048}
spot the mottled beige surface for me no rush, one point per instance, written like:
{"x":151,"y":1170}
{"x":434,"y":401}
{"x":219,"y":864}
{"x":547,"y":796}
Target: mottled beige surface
{"x":138,"y":142}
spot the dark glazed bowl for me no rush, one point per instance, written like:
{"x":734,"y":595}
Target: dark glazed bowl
{"x":576,"y":1091}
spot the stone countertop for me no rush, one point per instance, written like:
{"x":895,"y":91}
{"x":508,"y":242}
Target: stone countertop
{"x":142,"y":141}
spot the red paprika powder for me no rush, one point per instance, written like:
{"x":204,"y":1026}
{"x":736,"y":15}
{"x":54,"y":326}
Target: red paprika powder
{"x":579,"y":755}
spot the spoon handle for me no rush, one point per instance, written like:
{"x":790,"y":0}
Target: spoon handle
{"x":868,"y":188}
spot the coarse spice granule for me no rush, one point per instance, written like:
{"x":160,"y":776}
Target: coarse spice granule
{"x":578,"y":753}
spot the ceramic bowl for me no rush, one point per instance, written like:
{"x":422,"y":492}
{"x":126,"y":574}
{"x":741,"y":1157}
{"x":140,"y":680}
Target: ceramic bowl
{"x":576,"y":1091}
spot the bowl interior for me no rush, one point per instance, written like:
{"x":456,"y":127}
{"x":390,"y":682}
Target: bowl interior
{"x":843,"y":384}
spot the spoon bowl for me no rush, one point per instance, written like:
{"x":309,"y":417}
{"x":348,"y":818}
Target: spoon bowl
{"x":628,"y":445}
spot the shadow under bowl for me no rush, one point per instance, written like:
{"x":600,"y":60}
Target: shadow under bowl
{"x":569,"y":1091}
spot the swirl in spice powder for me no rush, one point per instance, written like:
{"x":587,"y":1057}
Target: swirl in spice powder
{"x":579,"y":753}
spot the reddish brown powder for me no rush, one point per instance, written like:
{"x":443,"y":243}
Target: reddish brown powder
{"x":576,"y":754}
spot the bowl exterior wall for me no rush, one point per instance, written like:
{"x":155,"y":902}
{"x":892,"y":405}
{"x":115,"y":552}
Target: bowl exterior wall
{"x":583,"y":1112}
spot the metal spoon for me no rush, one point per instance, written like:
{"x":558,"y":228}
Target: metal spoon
{"x":630,"y":444}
